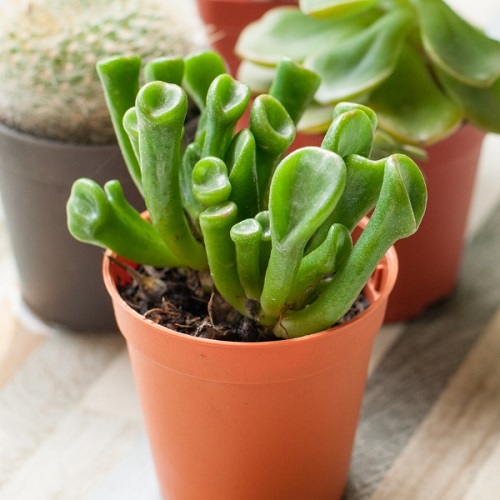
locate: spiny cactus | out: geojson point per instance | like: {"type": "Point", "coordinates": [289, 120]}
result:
{"type": "Point", "coordinates": [48, 50]}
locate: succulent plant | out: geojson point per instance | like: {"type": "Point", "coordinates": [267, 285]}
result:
{"type": "Point", "coordinates": [273, 231]}
{"type": "Point", "coordinates": [48, 50]}
{"type": "Point", "coordinates": [420, 66]}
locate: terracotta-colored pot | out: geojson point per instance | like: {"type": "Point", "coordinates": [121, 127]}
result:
{"type": "Point", "coordinates": [429, 261]}
{"type": "Point", "coordinates": [226, 18]}
{"type": "Point", "coordinates": [241, 421]}
{"type": "Point", "coordinates": [59, 277]}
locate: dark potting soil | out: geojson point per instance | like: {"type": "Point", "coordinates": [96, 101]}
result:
{"type": "Point", "coordinates": [184, 301]}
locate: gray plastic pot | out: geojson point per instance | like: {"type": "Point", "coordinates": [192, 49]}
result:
{"type": "Point", "coordinates": [60, 278]}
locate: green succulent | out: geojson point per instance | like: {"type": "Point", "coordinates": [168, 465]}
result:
{"type": "Point", "coordinates": [420, 66]}
{"type": "Point", "coordinates": [48, 50]}
{"type": "Point", "coordinates": [273, 230]}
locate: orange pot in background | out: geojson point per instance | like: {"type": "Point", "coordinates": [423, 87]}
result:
{"type": "Point", "coordinates": [260, 420]}
{"type": "Point", "coordinates": [429, 261]}
{"type": "Point", "coordinates": [226, 18]}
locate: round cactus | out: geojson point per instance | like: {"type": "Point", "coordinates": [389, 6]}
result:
{"type": "Point", "coordinates": [49, 86]}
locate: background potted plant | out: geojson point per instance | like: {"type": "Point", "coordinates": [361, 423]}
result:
{"type": "Point", "coordinates": [225, 19]}
{"type": "Point", "coordinates": [433, 80]}
{"type": "Point", "coordinates": [55, 128]}
{"type": "Point", "coordinates": [268, 237]}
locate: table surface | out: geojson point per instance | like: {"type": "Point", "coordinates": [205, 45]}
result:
{"type": "Point", "coordinates": [70, 422]}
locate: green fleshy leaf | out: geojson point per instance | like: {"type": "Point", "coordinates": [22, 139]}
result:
{"type": "Point", "coordinates": [241, 162]}
{"type": "Point", "coordinates": [353, 67]}
{"type": "Point", "coordinates": [287, 32]}
{"type": "Point", "coordinates": [480, 104]}
{"type": "Point", "coordinates": [304, 190]}
{"type": "Point", "coordinates": [211, 184]}
{"type": "Point", "coordinates": [247, 236]}
{"type": "Point", "coordinates": [259, 78]}
{"type": "Point", "coordinates": [456, 46]}
{"type": "Point", "coordinates": [398, 214]}
{"type": "Point", "coordinates": [105, 218]}
{"type": "Point", "coordinates": [294, 86]}
{"type": "Point", "coordinates": [227, 100]}
{"type": "Point", "coordinates": [216, 223]}
{"type": "Point", "coordinates": [350, 133]}
{"type": "Point", "coordinates": [325, 8]}
{"type": "Point", "coordinates": [200, 70]}
{"type": "Point", "coordinates": [411, 107]}
{"type": "Point", "coordinates": [161, 111]}
{"type": "Point", "coordinates": [165, 69]}
{"type": "Point", "coordinates": [322, 261]}
{"type": "Point", "coordinates": [120, 81]}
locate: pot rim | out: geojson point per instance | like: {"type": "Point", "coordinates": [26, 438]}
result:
{"type": "Point", "coordinates": [377, 289]}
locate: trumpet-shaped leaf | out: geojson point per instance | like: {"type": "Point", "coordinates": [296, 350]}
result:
{"type": "Point", "coordinates": [351, 68]}
{"type": "Point", "coordinates": [216, 223]}
{"type": "Point", "coordinates": [161, 110]}
{"type": "Point", "coordinates": [200, 70]}
{"type": "Point", "coordinates": [247, 236]}
{"type": "Point", "coordinates": [165, 69]}
{"type": "Point", "coordinates": [398, 214]}
{"type": "Point", "coordinates": [131, 127]}
{"type": "Point", "coordinates": [294, 86]}
{"type": "Point", "coordinates": [300, 201]}
{"type": "Point", "coordinates": [457, 47]}
{"type": "Point", "coordinates": [350, 133]}
{"type": "Point", "coordinates": [211, 184]}
{"type": "Point", "coordinates": [105, 218]}
{"type": "Point", "coordinates": [363, 182]}
{"type": "Point", "coordinates": [274, 132]}
{"type": "Point", "coordinates": [120, 81]}
{"type": "Point", "coordinates": [324, 260]}
{"type": "Point", "coordinates": [241, 162]}
{"type": "Point", "coordinates": [227, 100]}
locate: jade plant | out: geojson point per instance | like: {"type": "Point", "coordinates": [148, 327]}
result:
{"type": "Point", "coordinates": [271, 230]}
{"type": "Point", "coordinates": [417, 63]}
{"type": "Point", "coordinates": [52, 46]}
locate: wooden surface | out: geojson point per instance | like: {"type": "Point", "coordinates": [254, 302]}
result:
{"type": "Point", "coordinates": [71, 428]}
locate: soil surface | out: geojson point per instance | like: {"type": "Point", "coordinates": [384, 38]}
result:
{"type": "Point", "coordinates": [184, 301]}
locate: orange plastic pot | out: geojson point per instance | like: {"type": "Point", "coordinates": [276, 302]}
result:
{"type": "Point", "coordinates": [226, 19]}
{"type": "Point", "coordinates": [429, 261]}
{"type": "Point", "coordinates": [270, 420]}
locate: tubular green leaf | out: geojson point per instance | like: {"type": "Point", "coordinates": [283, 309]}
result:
{"type": "Point", "coordinates": [200, 70]}
{"type": "Point", "coordinates": [294, 86]}
{"type": "Point", "coordinates": [216, 223]}
{"type": "Point", "coordinates": [241, 163]}
{"type": "Point", "coordinates": [398, 214]}
{"type": "Point", "coordinates": [227, 100]}
{"type": "Point", "coordinates": [165, 69]}
{"type": "Point", "coordinates": [274, 132]}
{"type": "Point", "coordinates": [211, 184]}
{"type": "Point", "coordinates": [161, 110]}
{"type": "Point", "coordinates": [247, 236]}
{"type": "Point", "coordinates": [350, 133]}
{"type": "Point", "coordinates": [120, 81]}
{"type": "Point", "coordinates": [104, 218]}
{"type": "Point", "coordinates": [132, 129]}
{"type": "Point", "coordinates": [305, 189]}
{"type": "Point", "coordinates": [323, 261]}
